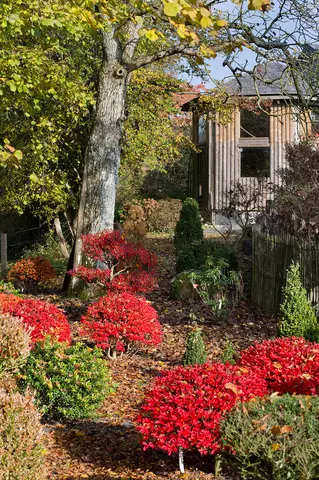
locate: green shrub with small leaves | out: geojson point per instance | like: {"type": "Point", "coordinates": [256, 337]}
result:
{"type": "Point", "coordinates": [70, 383]}
{"type": "Point", "coordinates": [21, 448]}
{"type": "Point", "coordinates": [195, 352]}
{"type": "Point", "coordinates": [15, 344]}
{"type": "Point", "coordinates": [298, 317]}
{"type": "Point", "coordinates": [274, 438]}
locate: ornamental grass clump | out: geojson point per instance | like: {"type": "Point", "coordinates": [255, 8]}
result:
{"type": "Point", "coordinates": [274, 438]}
{"type": "Point", "coordinates": [195, 352]}
{"type": "Point", "coordinates": [119, 323]}
{"type": "Point", "coordinates": [289, 365]}
{"type": "Point", "coordinates": [298, 317]}
{"type": "Point", "coordinates": [42, 318]}
{"type": "Point", "coordinates": [184, 407]}
{"type": "Point", "coordinates": [70, 383]}
{"type": "Point", "coordinates": [21, 447]}
{"type": "Point", "coordinates": [15, 344]}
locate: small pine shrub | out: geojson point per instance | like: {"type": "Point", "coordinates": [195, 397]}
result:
{"type": "Point", "coordinates": [298, 317]}
{"type": "Point", "coordinates": [274, 438]}
{"type": "Point", "coordinates": [184, 407]}
{"type": "Point", "coordinates": [195, 353]}
{"type": "Point", "coordinates": [70, 383]}
{"type": "Point", "coordinates": [229, 353]}
{"type": "Point", "coordinates": [120, 322]}
{"type": "Point", "coordinates": [189, 227]}
{"type": "Point", "coordinates": [21, 447]}
{"type": "Point", "coordinates": [289, 364]}
{"type": "Point", "coordinates": [44, 319]}
{"type": "Point", "coordinates": [188, 237]}
{"type": "Point", "coordinates": [15, 344]}
{"type": "Point", "coordinates": [27, 273]}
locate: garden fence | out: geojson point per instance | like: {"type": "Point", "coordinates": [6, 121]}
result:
{"type": "Point", "coordinates": [271, 257]}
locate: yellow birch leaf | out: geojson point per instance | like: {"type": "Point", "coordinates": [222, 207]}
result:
{"type": "Point", "coordinates": [205, 22]}
{"type": "Point", "coordinates": [171, 9]}
{"type": "Point", "coordinates": [204, 12]}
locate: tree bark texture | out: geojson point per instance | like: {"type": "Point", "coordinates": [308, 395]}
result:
{"type": "Point", "coordinates": [102, 158]}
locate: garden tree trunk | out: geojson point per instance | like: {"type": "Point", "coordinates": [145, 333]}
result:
{"type": "Point", "coordinates": [59, 232]}
{"type": "Point", "coordinates": [102, 158]}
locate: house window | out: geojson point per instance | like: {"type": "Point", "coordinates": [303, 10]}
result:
{"type": "Point", "coordinates": [201, 130]}
{"type": "Point", "coordinates": [255, 162]}
{"type": "Point", "coordinates": [254, 125]}
{"type": "Point", "coordinates": [201, 172]}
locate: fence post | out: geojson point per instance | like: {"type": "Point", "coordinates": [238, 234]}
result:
{"type": "Point", "coordinates": [4, 257]}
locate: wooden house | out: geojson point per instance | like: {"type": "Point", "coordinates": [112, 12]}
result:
{"type": "Point", "coordinates": [250, 146]}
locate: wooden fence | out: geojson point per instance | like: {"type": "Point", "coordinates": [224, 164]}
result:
{"type": "Point", "coordinates": [271, 257]}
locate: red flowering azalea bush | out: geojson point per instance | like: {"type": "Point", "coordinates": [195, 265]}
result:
{"type": "Point", "coordinates": [289, 365]}
{"type": "Point", "coordinates": [44, 319]}
{"type": "Point", "coordinates": [118, 322]}
{"type": "Point", "coordinates": [27, 273]}
{"type": "Point", "coordinates": [186, 404]}
{"type": "Point", "coordinates": [121, 265]}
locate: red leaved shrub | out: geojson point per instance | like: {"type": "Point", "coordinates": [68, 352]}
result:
{"type": "Point", "coordinates": [289, 365]}
{"type": "Point", "coordinates": [118, 321]}
{"type": "Point", "coordinates": [126, 266]}
{"type": "Point", "coordinates": [185, 405]}
{"type": "Point", "coordinates": [44, 319]}
{"type": "Point", "coordinates": [27, 273]}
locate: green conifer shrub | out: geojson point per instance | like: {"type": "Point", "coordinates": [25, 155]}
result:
{"type": "Point", "coordinates": [274, 438]}
{"type": "Point", "coordinates": [228, 353]}
{"type": "Point", "coordinates": [195, 353]}
{"type": "Point", "coordinates": [298, 317]}
{"type": "Point", "coordinates": [188, 236]}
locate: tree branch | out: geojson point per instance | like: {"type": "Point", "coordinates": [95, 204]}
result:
{"type": "Point", "coordinates": [147, 60]}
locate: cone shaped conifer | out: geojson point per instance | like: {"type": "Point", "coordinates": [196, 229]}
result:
{"type": "Point", "coordinates": [298, 317]}
{"type": "Point", "coordinates": [195, 353]}
{"type": "Point", "coordinates": [188, 236]}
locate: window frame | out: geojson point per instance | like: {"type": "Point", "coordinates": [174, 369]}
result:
{"type": "Point", "coordinates": [253, 142]}
{"type": "Point", "coordinates": [241, 151]}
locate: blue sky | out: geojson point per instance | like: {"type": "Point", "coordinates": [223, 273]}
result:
{"type": "Point", "coordinates": [217, 71]}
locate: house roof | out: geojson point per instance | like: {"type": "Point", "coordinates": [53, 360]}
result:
{"type": "Point", "coordinates": [272, 79]}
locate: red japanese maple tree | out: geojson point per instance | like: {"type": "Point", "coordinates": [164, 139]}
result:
{"type": "Point", "coordinates": [119, 265]}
